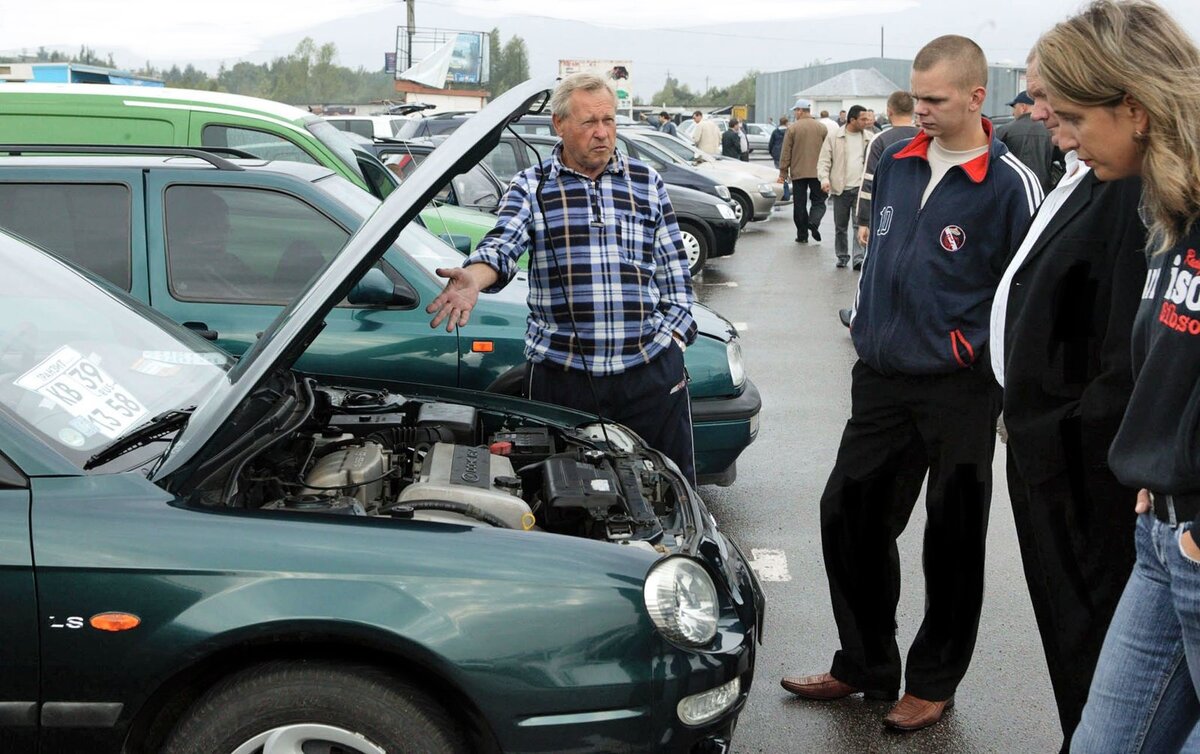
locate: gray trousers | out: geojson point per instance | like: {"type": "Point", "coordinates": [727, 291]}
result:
{"type": "Point", "coordinates": [843, 217]}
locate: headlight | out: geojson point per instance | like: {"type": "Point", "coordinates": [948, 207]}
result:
{"type": "Point", "coordinates": [725, 211]}
{"type": "Point", "coordinates": [723, 192]}
{"type": "Point", "coordinates": [737, 370]}
{"type": "Point", "coordinates": [682, 601]}
{"type": "Point", "coordinates": [766, 189]}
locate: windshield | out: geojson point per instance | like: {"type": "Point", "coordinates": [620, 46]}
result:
{"type": "Point", "coordinates": [660, 154]}
{"type": "Point", "coordinates": [676, 147]}
{"type": "Point", "coordinates": [429, 251]}
{"type": "Point", "coordinates": [82, 364]}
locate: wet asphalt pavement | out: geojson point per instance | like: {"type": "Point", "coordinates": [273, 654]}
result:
{"type": "Point", "coordinates": [784, 298]}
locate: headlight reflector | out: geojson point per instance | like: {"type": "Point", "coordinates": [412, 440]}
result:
{"type": "Point", "coordinates": [682, 601]}
{"type": "Point", "coordinates": [725, 211]}
{"type": "Point", "coordinates": [723, 192]}
{"type": "Point", "coordinates": [701, 708]}
{"type": "Point", "coordinates": [766, 189]}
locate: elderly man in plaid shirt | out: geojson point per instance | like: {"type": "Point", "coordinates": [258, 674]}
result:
{"type": "Point", "coordinates": [609, 293]}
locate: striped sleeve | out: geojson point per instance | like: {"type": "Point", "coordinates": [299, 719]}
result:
{"type": "Point", "coordinates": [504, 244]}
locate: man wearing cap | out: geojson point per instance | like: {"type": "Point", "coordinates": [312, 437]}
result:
{"type": "Point", "coordinates": [1030, 142]}
{"type": "Point", "coordinates": [801, 148]}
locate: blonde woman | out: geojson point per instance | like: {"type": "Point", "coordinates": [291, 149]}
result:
{"type": "Point", "coordinates": [1124, 80]}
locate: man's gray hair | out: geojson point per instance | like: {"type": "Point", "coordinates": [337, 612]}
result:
{"type": "Point", "coordinates": [560, 101]}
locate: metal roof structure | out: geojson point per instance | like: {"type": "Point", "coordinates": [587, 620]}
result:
{"type": "Point", "coordinates": [856, 82]}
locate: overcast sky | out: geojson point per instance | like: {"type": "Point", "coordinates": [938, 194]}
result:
{"type": "Point", "coordinates": [693, 40]}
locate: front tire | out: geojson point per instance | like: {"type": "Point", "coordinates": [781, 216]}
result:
{"type": "Point", "coordinates": [744, 209]}
{"type": "Point", "coordinates": [286, 707]}
{"type": "Point", "coordinates": [695, 243]}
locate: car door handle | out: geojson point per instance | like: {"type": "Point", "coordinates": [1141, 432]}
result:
{"type": "Point", "coordinates": [201, 329]}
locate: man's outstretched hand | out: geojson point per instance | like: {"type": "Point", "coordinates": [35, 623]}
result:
{"type": "Point", "coordinates": [457, 299]}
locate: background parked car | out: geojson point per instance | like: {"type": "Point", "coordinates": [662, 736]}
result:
{"type": "Point", "coordinates": [148, 116]}
{"type": "Point", "coordinates": [753, 196]}
{"type": "Point", "coordinates": [202, 556]}
{"type": "Point", "coordinates": [370, 126]}
{"type": "Point", "coordinates": [708, 225]}
{"type": "Point", "coordinates": [222, 246]}
{"type": "Point", "coordinates": [758, 134]}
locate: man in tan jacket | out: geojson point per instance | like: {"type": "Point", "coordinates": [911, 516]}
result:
{"type": "Point", "coordinates": [801, 148]}
{"type": "Point", "coordinates": [840, 170]}
{"type": "Point", "coordinates": [706, 135]}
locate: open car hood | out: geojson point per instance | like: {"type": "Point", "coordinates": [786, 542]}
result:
{"type": "Point", "coordinates": [298, 325]}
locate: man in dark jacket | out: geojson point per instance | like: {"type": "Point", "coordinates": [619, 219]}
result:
{"type": "Point", "coordinates": [731, 140]}
{"type": "Point", "coordinates": [1029, 141]}
{"type": "Point", "coordinates": [949, 207]}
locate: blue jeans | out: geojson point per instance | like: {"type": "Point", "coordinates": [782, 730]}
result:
{"type": "Point", "coordinates": [1144, 693]}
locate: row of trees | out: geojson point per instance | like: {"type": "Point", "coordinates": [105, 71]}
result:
{"type": "Point", "coordinates": [309, 75]}
{"type": "Point", "coordinates": [674, 94]}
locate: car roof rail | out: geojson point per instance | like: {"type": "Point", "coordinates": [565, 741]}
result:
{"type": "Point", "coordinates": [208, 154]}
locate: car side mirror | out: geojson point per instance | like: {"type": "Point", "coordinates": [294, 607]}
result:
{"type": "Point", "coordinates": [374, 289]}
{"type": "Point", "coordinates": [458, 241]}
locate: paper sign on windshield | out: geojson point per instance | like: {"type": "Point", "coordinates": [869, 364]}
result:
{"type": "Point", "coordinates": [81, 388]}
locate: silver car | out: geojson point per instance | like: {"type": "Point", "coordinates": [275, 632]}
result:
{"type": "Point", "coordinates": [752, 186]}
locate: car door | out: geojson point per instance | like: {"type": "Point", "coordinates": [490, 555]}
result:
{"type": "Point", "coordinates": [93, 218]}
{"type": "Point", "coordinates": [226, 256]}
{"type": "Point", "coordinates": [20, 650]}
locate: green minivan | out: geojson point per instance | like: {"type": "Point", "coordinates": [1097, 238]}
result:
{"type": "Point", "coordinates": [138, 116]}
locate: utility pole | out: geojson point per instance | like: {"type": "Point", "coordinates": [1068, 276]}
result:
{"type": "Point", "coordinates": [412, 20]}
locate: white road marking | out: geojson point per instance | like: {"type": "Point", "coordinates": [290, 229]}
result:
{"type": "Point", "coordinates": [730, 284]}
{"type": "Point", "coordinates": [770, 565]}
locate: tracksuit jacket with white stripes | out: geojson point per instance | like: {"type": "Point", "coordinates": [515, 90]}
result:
{"type": "Point", "coordinates": [925, 295]}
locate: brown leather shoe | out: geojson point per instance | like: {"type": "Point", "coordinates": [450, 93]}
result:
{"type": "Point", "coordinates": [914, 713]}
{"type": "Point", "coordinates": [825, 687]}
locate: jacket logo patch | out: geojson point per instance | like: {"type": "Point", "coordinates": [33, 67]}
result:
{"type": "Point", "coordinates": [952, 238]}
{"type": "Point", "coordinates": [885, 221]}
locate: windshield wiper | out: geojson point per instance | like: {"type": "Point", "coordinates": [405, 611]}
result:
{"type": "Point", "coordinates": [152, 431]}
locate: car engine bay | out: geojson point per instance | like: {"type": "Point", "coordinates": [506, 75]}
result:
{"type": "Point", "coordinates": [371, 452]}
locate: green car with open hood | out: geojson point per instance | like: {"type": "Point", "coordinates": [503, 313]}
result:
{"type": "Point", "coordinates": [203, 554]}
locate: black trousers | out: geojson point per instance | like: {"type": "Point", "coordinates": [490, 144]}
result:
{"type": "Point", "coordinates": [808, 205]}
{"type": "Point", "coordinates": [901, 427]}
{"type": "Point", "coordinates": [1075, 532]}
{"type": "Point", "coordinates": [652, 400]}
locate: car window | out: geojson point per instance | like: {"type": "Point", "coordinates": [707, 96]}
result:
{"type": "Point", "coordinates": [244, 245]}
{"type": "Point", "coordinates": [376, 174]}
{"type": "Point", "coordinates": [402, 164]}
{"type": "Point", "coordinates": [475, 189]}
{"type": "Point", "coordinates": [261, 144]}
{"type": "Point", "coordinates": [360, 127]}
{"type": "Point", "coordinates": [503, 160]}
{"type": "Point", "coordinates": [543, 149]}
{"type": "Point", "coordinates": [680, 150]}
{"type": "Point", "coordinates": [87, 223]}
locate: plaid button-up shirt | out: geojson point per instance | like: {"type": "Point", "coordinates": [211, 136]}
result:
{"type": "Point", "coordinates": [621, 268]}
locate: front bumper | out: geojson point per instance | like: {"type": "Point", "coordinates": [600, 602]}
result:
{"type": "Point", "coordinates": [721, 429]}
{"type": "Point", "coordinates": [764, 204]}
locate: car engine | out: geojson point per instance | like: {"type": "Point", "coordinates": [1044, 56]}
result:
{"type": "Point", "coordinates": [375, 453]}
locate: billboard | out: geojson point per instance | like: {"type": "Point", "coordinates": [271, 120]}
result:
{"type": "Point", "coordinates": [615, 71]}
{"type": "Point", "coordinates": [466, 63]}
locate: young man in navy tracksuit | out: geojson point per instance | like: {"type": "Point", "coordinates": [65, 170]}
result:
{"type": "Point", "coordinates": [949, 207]}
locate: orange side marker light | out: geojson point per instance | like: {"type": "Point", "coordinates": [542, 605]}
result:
{"type": "Point", "coordinates": [115, 621]}
{"type": "Point", "coordinates": [482, 346]}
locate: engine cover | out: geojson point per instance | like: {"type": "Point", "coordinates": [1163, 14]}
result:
{"type": "Point", "coordinates": [359, 469]}
{"type": "Point", "coordinates": [465, 474]}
